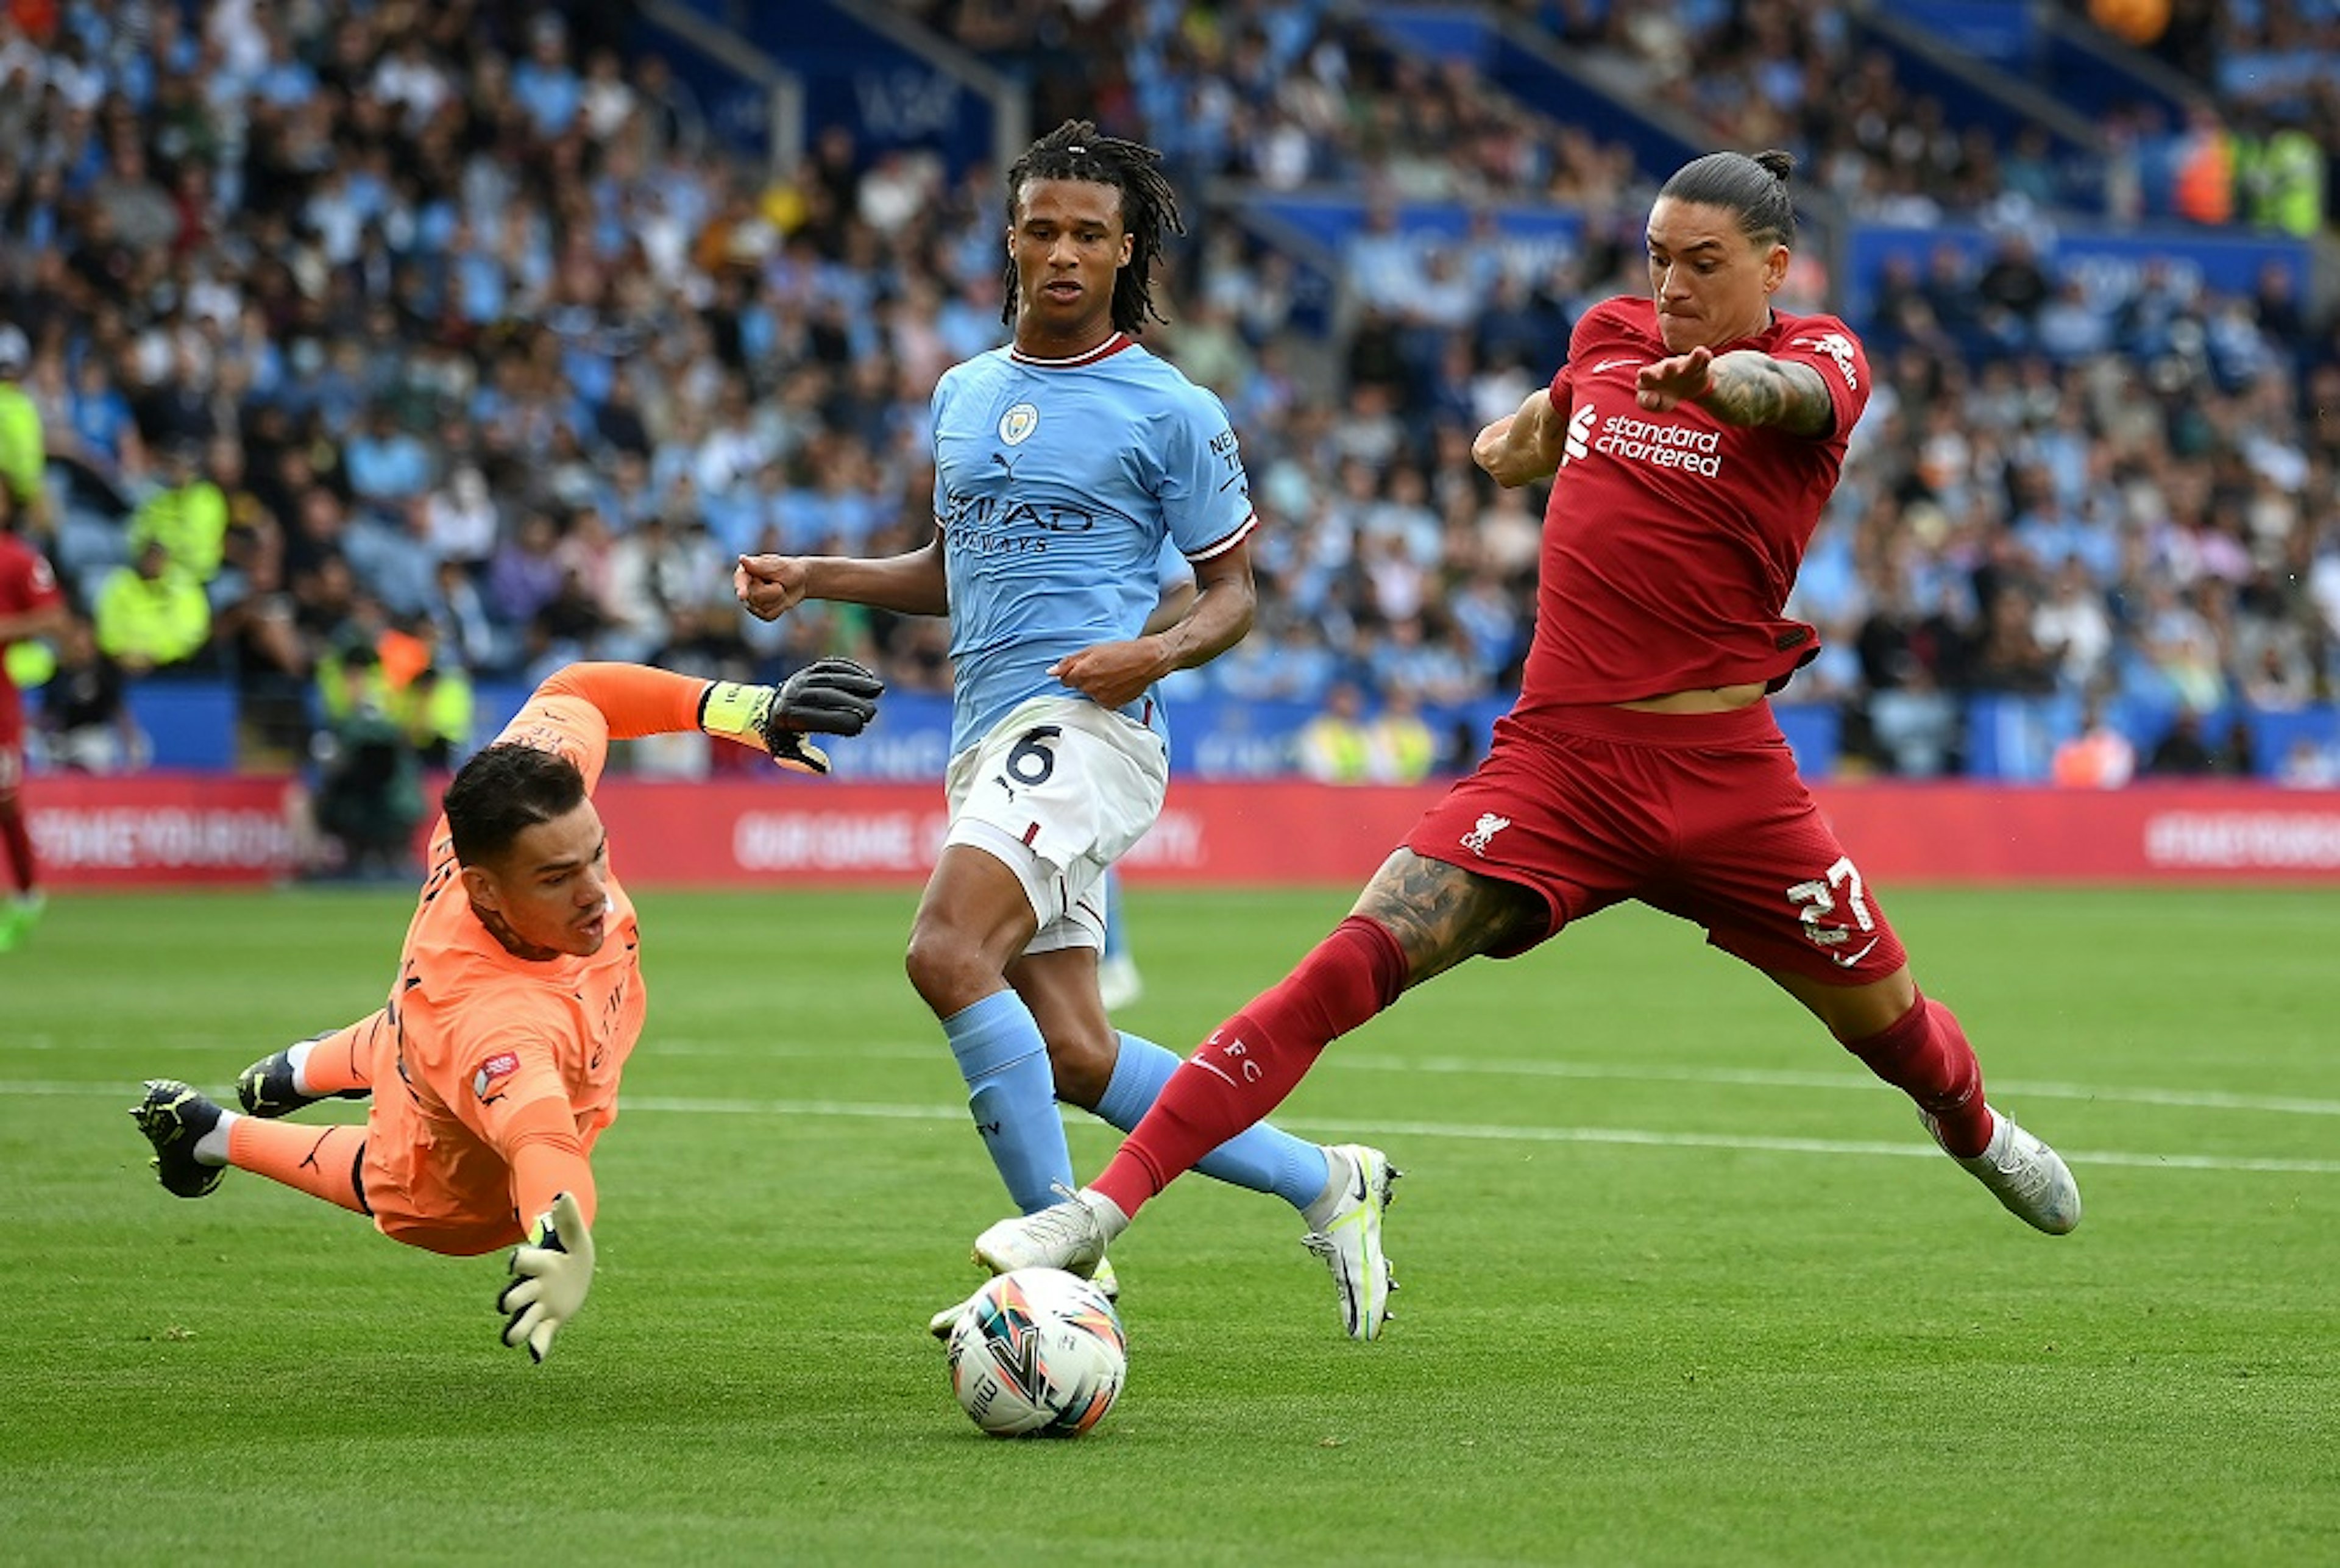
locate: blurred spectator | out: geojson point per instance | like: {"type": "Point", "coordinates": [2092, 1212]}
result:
{"type": "Point", "coordinates": [187, 516]}
{"type": "Point", "coordinates": [459, 519]}
{"type": "Point", "coordinates": [150, 615]}
{"type": "Point", "coordinates": [1335, 747]}
{"type": "Point", "coordinates": [86, 725]}
{"type": "Point", "coordinates": [2073, 628]}
{"type": "Point", "coordinates": [1399, 748]}
{"type": "Point", "coordinates": [367, 799]}
{"type": "Point", "coordinates": [2181, 752]}
{"type": "Point", "coordinates": [2237, 755]}
{"type": "Point", "coordinates": [2098, 756]}
{"type": "Point", "coordinates": [2308, 765]}
{"type": "Point", "coordinates": [23, 448]}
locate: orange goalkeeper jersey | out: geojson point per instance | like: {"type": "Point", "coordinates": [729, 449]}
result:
{"type": "Point", "coordinates": [483, 1044]}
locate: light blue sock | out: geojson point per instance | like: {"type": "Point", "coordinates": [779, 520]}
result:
{"type": "Point", "coordinates": [1261, 1158]}
{"type": "Point", "coordinates": [1013, 1094]}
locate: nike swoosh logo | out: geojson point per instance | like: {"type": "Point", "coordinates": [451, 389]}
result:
{"type": "Point", "coordinates": [1847, 960]}
{"type": "Point", "coordinates": [1361, 1194]}
{"type": "Point", "coordinates": [1212, 1068]}
{"type": "Point", "coordinates": [1610, 364]}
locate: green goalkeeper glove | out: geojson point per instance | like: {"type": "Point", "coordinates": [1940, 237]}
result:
{"type": "Point", "coordinates": [551, 1272]}
{"type": "Point", "coordinates": [828, 697]}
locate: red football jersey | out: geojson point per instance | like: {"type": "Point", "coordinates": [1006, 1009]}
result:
{"type": "Point", "coordinates": [1671, 539]}
{"type": "Point", "coordinates": [26, 583]}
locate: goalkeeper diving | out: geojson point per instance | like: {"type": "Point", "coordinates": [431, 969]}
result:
{"type": "Point", "coordinates": [518, 999]}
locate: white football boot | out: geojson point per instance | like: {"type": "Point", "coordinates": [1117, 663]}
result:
{"type": "Point", "coordinates": [2026, 1175]}
{"type": "Point", "coordinates": [1070, 1235]}
{"type": "Point", "coordinates": [1100, 1273]}
{"type": "Point", "coordinates": [1344, 1229]}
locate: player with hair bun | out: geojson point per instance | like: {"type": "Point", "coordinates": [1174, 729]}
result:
{"type": "Point", "coordinates": [1693, 437]}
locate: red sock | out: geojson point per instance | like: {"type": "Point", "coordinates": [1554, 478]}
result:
{"type": "Point", "coordinates": [320, 1161]}
{"type": "Point", "coordinates": [18, 838]}
{"type": "Point", "coordinates": [1925, 1055]}
{"type": "Point", "coordinates": [1258, 1057]}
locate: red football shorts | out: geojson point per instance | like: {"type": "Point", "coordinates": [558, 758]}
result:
{"type": "Point", "coordinates": [1702, 816]}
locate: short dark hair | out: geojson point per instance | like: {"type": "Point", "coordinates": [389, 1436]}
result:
{"type": "Point", "coordinates": [502, 792]}
{"type": "Point", "coordinates": [1754, 187]}
{"type": "Point", "coordinates": [1076, 150]}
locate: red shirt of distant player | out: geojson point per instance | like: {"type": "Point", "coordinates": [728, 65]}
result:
{"type": "Point", "coordinates": [1671, 539]}
{"type": "Point", "coordinates": [26, 583]}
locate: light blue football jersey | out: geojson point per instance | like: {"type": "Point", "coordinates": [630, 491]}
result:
{"type": "Point", "coordinates": [1057, 483]}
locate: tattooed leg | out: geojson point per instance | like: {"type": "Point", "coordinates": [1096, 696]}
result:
{"type": "Point", "coordinates": [1442, 914]}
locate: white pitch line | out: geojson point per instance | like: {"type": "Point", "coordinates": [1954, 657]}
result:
{"type": "Point", "coordinates": [1762, 1078]}
{"type": "Point", "coordinates": [1615, 1072]}
{"type": "Point", "coordinates": [1470, 1131]}
{"type": "Point", "coordinates": [1487, 1133]}
{"type": "Point", "coordinates": [1472, 1067]}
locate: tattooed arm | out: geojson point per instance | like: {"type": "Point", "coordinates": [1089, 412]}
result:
{"type": "Point", "coordinates": [1744, 387]}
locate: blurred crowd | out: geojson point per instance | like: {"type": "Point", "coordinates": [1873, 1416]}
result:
{"type": "Point", "coordinates": [381, 351]}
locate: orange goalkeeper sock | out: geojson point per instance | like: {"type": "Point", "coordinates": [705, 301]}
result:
{"type": "Point", "coordinates": [338, 1063]}
{"type": "Point", "coordinates": [320, 1161]}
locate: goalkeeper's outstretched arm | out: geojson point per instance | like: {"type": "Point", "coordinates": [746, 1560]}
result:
{"type": "Point", "coordinates": [828, 697]}
{"type": "Point", "coordinates": [552, 1190]}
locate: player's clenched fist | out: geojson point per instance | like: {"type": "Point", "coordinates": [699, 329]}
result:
{"type": "Point", "coordinates": [770, 585]}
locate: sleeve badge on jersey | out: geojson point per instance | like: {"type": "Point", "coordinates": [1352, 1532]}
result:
{"type": "Point", "coordinates": [495, 1075]}
{"type": "Point", "coordinates": [1838, 347]}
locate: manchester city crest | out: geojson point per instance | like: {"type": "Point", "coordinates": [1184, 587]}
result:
{"type": "Point", "coordinates": [1016, 425]}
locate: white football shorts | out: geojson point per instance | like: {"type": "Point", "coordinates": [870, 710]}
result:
{"type": "Point", "coordinates": [1057, 792]}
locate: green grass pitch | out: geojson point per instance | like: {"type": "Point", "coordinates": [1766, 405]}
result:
{"type": "Point", "coordinates": [1680, 1283]}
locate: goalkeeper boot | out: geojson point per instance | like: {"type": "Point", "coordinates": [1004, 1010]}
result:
{"type": "Point", "coordinates": [2024, 1173]}
{"type": "Point", "coordinates": [175, 1118]}
{"type": "Point", "coordinates": [269, 1087]}
{"type": "Point", "coordinates": [1344, 1229]}
{"type": "Point", "coordinates": [1070, 1235]}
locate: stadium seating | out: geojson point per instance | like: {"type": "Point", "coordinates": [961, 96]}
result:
{"type": "Point", "coordinates": [501, 340]}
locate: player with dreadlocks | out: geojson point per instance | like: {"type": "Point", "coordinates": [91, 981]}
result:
{"type": "Point", "coordinates": [1062, 463]}
{"type": "Point", "coordinates": [1077, 151]}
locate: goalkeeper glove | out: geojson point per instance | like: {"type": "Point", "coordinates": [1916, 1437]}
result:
{"type": "Point", "coordinates": [829, 696]}
{"type": "Point", "coordinates": [552, 1270]}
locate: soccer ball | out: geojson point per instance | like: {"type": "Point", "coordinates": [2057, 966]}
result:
{"type": "Point", "coordinates": [1038, 1353]}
